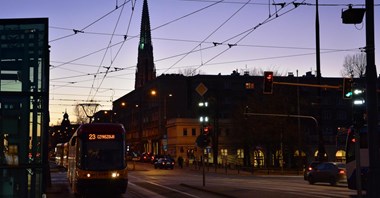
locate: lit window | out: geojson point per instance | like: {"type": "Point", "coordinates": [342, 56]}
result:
{"type": "Point", "coordinates": [249, 85]}
{"type": "Point", "coordinates": [240, 153]}
{"type": "Point", "coordinates": [223, 152]}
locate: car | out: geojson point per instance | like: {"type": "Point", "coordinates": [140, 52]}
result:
{"type": "Point", "coordinates": [164, 163]}
{"type": "Point", "coordinates": [309, 168]}
{"type": "Point", "coordinates": [154, 158]}
{"type": "Point", "coordinates": [330, 172]}
{"type": "Point", "coordinates": [146, 157]}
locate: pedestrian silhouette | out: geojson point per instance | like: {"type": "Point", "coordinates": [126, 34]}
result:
{"type": "Point", "coordinates": [180, 161]}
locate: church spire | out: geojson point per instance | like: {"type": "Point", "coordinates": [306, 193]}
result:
{"type": "Point", "coordinates": [145, 65]}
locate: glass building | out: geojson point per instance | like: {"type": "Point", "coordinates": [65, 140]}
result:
{"type": "Point", "coordinates": [24, 102]}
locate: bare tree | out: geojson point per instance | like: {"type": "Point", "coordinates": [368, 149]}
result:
{"type": "Point", "coordinates": [80, 115]}
{"type": "Point", "coordinates": [354, 65]}
{"type": "Point", "coordinates": [189, 72]}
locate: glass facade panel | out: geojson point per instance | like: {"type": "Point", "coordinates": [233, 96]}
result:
{"type": "Point", "coordinates": [24, 87]}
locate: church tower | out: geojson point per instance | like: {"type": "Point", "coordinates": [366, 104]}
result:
{"type": "Point", "coordinates": [145, 66]}
{"type": "Point", "coordinates": [65, 132]}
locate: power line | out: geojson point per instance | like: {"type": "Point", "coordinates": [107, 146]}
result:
{"type": "Point", "coordinates": [248, 32]}
{"type": "Point", "coordinates": [82, 30]}
{"type": "Point", "coordinates": [104, 55]}
{"type": "Point", "coordinates": [247, 60]}
{"type": "Point", "coordinates": [220, 26]}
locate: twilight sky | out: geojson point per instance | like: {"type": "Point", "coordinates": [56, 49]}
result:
{"type": "Point", "coordinates": [207, 35]}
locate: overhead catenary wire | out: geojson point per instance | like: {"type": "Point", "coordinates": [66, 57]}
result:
{"type": "Point", "coordinates": [249, 31]}
{"type": "Point", "coordinates": [323, 51]}
{"type": "Point", "coordinates": [220, 26]}
{"type": "Point", "coordinates": [104, 55]}
{"type": "Point", "coordinates": [89, 25]}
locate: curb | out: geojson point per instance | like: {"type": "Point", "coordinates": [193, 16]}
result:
{"type": "Point", "coordinates": [206, 190]}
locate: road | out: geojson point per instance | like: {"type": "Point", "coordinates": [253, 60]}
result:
{"type": "Point", "coordinates": [145, 181]}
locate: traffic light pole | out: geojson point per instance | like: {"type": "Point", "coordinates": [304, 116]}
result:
{"type": "Point", "coordinates": [285, 115]}
{"type": "Point", "coordinates": [372, 108]}
{"type": "Point", "coordinates": [309, 85]}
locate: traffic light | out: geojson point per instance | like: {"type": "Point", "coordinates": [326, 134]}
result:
{"type": "Point", "coordinates": [268, 82]}
{"type": "Point", "coordinates": [206, 130]}
{"type": "Point", "coordinates": [358, 106]}
{"type": "Point", "coordinates": [347, 88]}
{"type": "Point", "coordinates": [203, 112]}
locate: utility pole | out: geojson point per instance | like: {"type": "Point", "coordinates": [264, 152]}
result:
{"type": "Point", "coordinates": [371, 82]}
{"type": "Point", "coordinates": [321, 147]}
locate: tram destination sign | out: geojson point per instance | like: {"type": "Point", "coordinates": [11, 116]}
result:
{"type": "Point", "coordinates": [93, 136]}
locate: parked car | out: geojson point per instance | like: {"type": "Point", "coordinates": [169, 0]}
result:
{"type": "Point", "coordinates": [146, 157]}
{"type": "Point", "coordinates": [154, 158]}
{"type": "Point", "coordinates": [309, 168]}
{"type": "Point", "coordinates": [164, 163]}
{"type": "Point", "coordinates": [330, 172]}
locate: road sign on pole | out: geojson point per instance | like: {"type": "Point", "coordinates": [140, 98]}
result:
{"type": "Point", "coordinates": [201, 89]}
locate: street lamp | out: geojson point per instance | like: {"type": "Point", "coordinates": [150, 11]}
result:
{"type": "Point", "coordinates": [162, 119]}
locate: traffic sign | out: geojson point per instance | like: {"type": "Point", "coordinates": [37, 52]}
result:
{"type": "Point", "coordinates": [201, 89]}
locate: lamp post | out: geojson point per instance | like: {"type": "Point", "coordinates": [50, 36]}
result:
{"type": "Point", "coordinates": [165, 134]}
{"type": "Point", "coordinates": [162, 119]}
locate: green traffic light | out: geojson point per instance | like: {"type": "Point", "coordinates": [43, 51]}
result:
{"type": "Point", "coordinates": [349, 94]}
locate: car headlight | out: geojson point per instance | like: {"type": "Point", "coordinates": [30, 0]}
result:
{"type": "Point", "coordinates": [115, 174]}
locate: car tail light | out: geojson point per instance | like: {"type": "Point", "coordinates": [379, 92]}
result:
{"type": "Point", "coordinates": [310, 168]}
{"type": "Point", "coordinates": [341, 172]}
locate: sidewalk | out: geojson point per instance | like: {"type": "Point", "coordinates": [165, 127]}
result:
{"type": "Point", "coordinates": [57, 189]}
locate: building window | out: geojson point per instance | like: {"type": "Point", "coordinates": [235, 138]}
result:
{"type": "Point", "coordinates": [340, 156]}
{"type": "Point", "coordinates": [258, 158]}
{"type": "Point", "coordinates": [240, 153]}
{"type": "Point", "coordinates": [193, 132]}
{"type": "Point", "coordinates": [249, 85]}
{"type": "Point", "coordinates": [184, 131]}
{"type": "Point", "coordinates": [223, 152]}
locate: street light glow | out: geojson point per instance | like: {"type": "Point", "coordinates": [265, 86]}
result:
{"type": "Point", "coordinates": [153, 92]}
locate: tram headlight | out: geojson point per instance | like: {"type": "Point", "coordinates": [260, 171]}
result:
{"type": "Point", "coordinates": [115, 174]}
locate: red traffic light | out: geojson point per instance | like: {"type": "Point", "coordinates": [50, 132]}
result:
{"type": "Point", "coordinates": [206, 130]}
{"type": "Point", "coordinates": [268, 82]}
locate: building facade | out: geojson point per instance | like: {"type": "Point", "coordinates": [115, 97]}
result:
{"type": "Point", "coordinates": [247, 126]}
{"type": "Point", "coordinates": [167, 121]}
{"type": "Point", "coordinates": [24, 107]}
